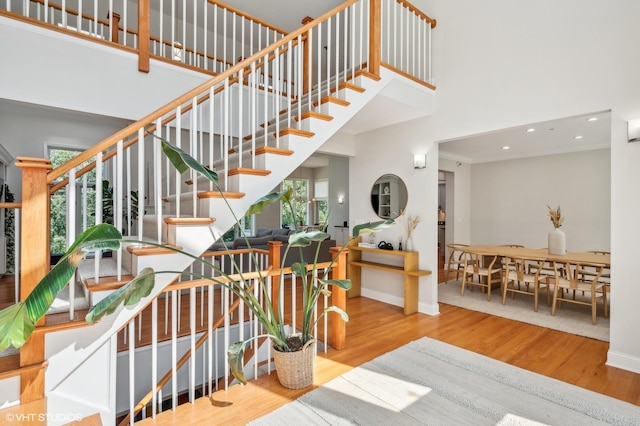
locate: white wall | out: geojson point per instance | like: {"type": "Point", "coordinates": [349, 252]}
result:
{"type": "Point", "coordinates": [67, 72]}
{"type": "Point", "coordinates": [509, 200]}
{"type": "Point", "coordinates": [499, 64]}
{"type": "Point", "coordinates": [25, 129]}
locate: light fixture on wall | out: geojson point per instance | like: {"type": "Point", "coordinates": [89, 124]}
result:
{"type": "Point", "coordinates": [340, 199]}
{"type": "Point", "coordinates": [419, 161]}
{"type": "Point", "coordinates": [633, 130]}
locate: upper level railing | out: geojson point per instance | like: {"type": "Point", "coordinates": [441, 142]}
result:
{"type": "Point", "coordinates": [205, 34]}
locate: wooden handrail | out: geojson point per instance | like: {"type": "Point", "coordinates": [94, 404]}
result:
{"type": "Point", "coordinates": [246, 15]}
{"type": "Point", "coordinates": [418, 12]}
{"type": "Point", "coordinates": [150, 118]}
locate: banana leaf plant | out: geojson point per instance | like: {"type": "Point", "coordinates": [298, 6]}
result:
{"type": "Point", "coordinates": [18, 321]}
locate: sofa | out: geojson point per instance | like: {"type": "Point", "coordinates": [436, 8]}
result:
{"type": "Point", "coordinates": [261, 241]}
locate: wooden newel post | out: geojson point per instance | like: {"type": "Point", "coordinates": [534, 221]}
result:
{"type": "Point", "coordinates": [338, 336]}
{"type": "Point", "coordinates": [274, 263]}
{"type": "Point", "coordinates": [374, 36]}
{"type": "Point", "coordinates": [35, 261]}
{"type": "Point", "coordinates": [144, 37]}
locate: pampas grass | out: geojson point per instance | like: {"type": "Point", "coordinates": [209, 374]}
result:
{"type": "Point", "coordinates": [556, 217]}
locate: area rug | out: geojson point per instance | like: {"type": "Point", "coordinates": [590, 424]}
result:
{"type": "Point", "coordinates": [570, 318]}
{"type": "Point", "coordinates": [431, 382]}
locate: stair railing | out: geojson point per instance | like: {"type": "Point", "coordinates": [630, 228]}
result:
{"type": "Point", "coordinates": [215, 319]}
{"type": "Point", "coordinates": [226, 123]}
{"type": "Point", "coordinates": [215, 126]}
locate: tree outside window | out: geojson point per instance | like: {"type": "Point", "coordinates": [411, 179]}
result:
{"type": "Point", "coordinates": [300, 203]}
{"type": "Point", "coordinates": [58, 205]}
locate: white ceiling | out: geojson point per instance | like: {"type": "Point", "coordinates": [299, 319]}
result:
{"type": "Point", "coordinates": [550, 137]}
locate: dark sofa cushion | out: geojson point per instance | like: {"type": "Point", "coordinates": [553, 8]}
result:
{"type": "Point", "coordinates": [281, 231]}
{"type": "Point", "coordinates": [281, 238]}
{"type": "Point", "coordinates": [263, 232]}
{"type": "Point", "coordinates": [253, 241]}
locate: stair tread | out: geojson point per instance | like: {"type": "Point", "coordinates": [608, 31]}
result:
{"type": "Point", "coordinates": [107, 283]}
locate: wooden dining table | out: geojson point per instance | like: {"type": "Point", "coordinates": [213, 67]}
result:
{"type": "Point", "coordinates": [538, 253]}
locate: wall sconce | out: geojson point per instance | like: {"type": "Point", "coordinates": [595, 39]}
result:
{"type": "Point", "coordinates": [340, 199]}
{"type": "Point", "coordinates": [633, 130]}
{"type": "Point", "coordinates": [419, 161]}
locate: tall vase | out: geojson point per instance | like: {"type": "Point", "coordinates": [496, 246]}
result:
{"type": "Point", "coordinates": [557, 242]}
{"type": "Point", "coordinates": [409, 244]}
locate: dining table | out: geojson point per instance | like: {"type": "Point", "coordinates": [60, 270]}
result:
{"type": "Point", "coordinates": [581, 257]}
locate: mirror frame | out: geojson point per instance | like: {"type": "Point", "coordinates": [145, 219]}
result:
{"type": "Point", "coordinates": [389, 196]}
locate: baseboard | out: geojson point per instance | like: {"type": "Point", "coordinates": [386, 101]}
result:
{"type": "Point", "coordinates": [425, 308]}
{"type": "Point", "coordinates": [382, 297]}
{"type": "Point", "coordinates": [429, 308]}
{"type": "Point", "coordinates": [623, 361]}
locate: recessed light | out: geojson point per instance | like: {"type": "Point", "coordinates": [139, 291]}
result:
{"type": "Point", "coordinates": [577, 137]}
{"type": "Point", "coordinates": [592, 119]}
{"type": "Point", "coordinates": [530, 130]}
{"type": "Point", "coordinates": [506, 147]}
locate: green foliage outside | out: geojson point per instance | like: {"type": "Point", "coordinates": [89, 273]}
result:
{"type": "Point", "coordinates": [58, 205]}
{"type": "Point", "coordinates": [9, 228]}
{"type": "Point", "coordinates": [298, 213]}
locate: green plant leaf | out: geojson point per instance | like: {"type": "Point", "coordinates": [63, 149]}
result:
{"type": "Point", "coordinates": [343, 284]}
{"type": "Point", "coordinates": [305, 238]}
{"type": "Point", "coordinates": [343, 314]}
{"type": "Point", "coordinates": [370, 227]}
{"type": "Point", "coordinates": [15, 326]}
{"type": "Point", "coordinates": [129, 294]}
{"type": "Point", "coordinates": [299, 269]}
{"type": "Point", "coordinates": [263, 202]}
{"type": "Point", "coordinates": [235, 356]}
{"type": "Point", "coordinates": [99, 237]}
{"type": "Point", "coordinates": [182, 161]}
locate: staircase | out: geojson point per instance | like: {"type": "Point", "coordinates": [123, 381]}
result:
{"type": "Point", "coordinates": [253, 124]}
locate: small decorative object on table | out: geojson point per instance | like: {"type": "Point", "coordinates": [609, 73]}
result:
{"type": "Point", "coordinates": [412, 223]}
{"type": "Point", "coordinates": [556, 239]}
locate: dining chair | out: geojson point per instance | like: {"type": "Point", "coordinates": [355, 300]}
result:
{"type": "Point", "coordinates": [575, 280]}
{"type": "Point", "coordinates": [474, 265]}
{"type": "Point", "coordinates": [606, 271]}
{"type": "Point", "coordinates": [516, 271]}
{"type": "Point", "coordinates": [455, 261]}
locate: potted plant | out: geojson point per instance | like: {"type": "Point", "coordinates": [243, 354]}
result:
{"type": "Point", "coordinates": [18, 321]}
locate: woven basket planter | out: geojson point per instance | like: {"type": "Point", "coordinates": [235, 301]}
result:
{"type": "Point", "coordinates": [296, 369]}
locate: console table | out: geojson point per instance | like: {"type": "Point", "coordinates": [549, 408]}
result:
{"type": "Point", "coordinates": [409, 270]}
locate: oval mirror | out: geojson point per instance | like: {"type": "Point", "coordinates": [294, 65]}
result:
{"type": "Point", "coordinates": [388, 196]}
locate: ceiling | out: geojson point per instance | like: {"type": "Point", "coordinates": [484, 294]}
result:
{"type": "Point", "coordinates": [547, 138]}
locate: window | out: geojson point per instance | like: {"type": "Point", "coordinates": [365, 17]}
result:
{"type": "Point", "coordinates": [58, 208]}
{"type": "Point", "coordinates": [321, 190]}
{"type": "Point", "coordinates": [300, 203]}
